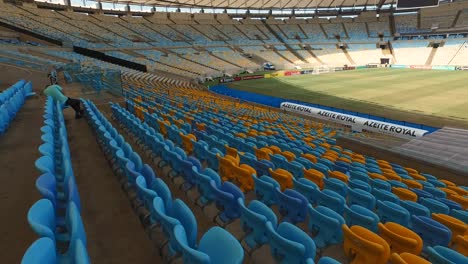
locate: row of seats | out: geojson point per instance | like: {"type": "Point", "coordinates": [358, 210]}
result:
{"type": "Point", "coordinates": [282, 238]}
{"type": "Point", "coordinates": [56, 217]}
{"type": "Point", "coordinates": [174, 217]}
{"type": "Point", "coordinates": [11, 101]}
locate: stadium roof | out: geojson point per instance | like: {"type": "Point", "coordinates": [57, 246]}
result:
{"type": "Point", "coordinates": [258, 4]}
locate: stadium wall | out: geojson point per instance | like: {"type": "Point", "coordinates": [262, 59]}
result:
{"type": "Point", "coordinates": [102, 56]}
{"type": "Point", "coordinates": [277, 102]}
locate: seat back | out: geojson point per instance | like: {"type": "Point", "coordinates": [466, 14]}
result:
{"type": "Point", "coordinates": [457, 227]}
{"type": "Point", "coordinates": [407, 258]}
{"type": "Point", "coordinates": [332, 200]}
{"type": "Point", "coordinates": [405, 194]}
{"type": "Point", "coordinates": [361, 216]}
{"type": "Point", "coordinates": [265, 189]}
{"type": "Point", "coordinates": [244, 175]}
{"type": "Point", "coordinates": [163, 191]}
{"type": "Point", "coordinates": [315, 176]}
{"type": "Point", "coordinates": [364, 245]}
{"type": "Point", "coordinates": [226, 165]}
{"type": "Point", "coordinates": [189, 254]}
{"type": "Point", "coordinates": [41, 251]}
{"type": "Point", "coordinates": [253, 219]}
{"type": "Point", "coordinates": [400, 238]}
{"type": "Point", "coordinates": [392, 212]}
{"type": "Point", "coordinates": [326, 224]}
{"type": "Point", "coordinates": [432, 232]}
{"type": "Point", "coordinates": [362, 198]}
{"type": "Point", "coordinates": [41, 218]}
{"type": "Point", "coordinates": [443, 255]}
{"type": "Point", "coordinates": [75, 228]}
{"type": "Point", "coordinates": [435, 206]}
{"type": "Point", "coordinates": [283, 177]}
{"type": "Point", "coordinates": [292, 205]}
{"type": "Point", "coordinates": [286, 250]}
{"type": "Point", "coordinates": [47, 187]}
{"type": "Point", "coordinates": [308, 189]}
{"type": "Point", "coordinates": [182, 212]}
{"type": "Point", "coordinates": [336, 185]}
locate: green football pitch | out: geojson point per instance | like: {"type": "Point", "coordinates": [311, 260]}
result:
{"type": "Point", "coordinates": [430, 97]}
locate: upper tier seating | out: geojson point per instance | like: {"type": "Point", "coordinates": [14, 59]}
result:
{"type": "Point", "coordinates": [11, 101]}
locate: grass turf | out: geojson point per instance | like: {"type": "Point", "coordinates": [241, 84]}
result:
{"type": "Point", "coordinates": [430, 97]}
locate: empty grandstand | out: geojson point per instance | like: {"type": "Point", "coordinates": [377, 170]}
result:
{"type": "Point", "coordinates": [350, 147]}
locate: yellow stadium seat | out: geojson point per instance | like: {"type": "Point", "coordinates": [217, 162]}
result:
{"type": "Point", "coordinates": [289, 155]}
{"type": "Point", "coordinates": [201, 126]}
{"type": "Point", "coordinates": [411, 170]}
{"type": "Point", "coordinates": [405, 194]}
{"type": "Point", "coordinates": [263, 153]}
{"type": "Point", "coordinates": [458, 227]}
{"type": "Point", "coordinates": [163, 126]}
{"type": "Point", "coordinates": [315, 176]}
{"type": "Point", "coordinates": [400, 238]}
{"type": "Point", "coordinates": [407, 258]}
{"type": "Point", "coordinates": [448, 191]}
{"type": "Point", "coordinates": [418, 176]}
{"type": "Point", "coordinates": [412, 183]}
{"type": "Point", "coordinates": [377, 176]}
{"type": "Point", "coordinates": [310, 157]}
{"type": "Point", "coordinates": [329, 157]}
{"type": "Point", "coordinates": [462, 200]}
{"type": "Point", "coordinates": [231, 151]}
{"type": "Point", "coordinates": [339, 175]}
{"type": "Point", "coordinates": [364, 246]}
{"type": "Point", "coordinates": [275, 149]}
{"type": "Point", "coordinates": [226, 165]}
{"type": "Point", "coordinates": [461, 245]}
{"type": "Point", "coordinates": [392, 176]}
{"type": "Point", "coordinates": [244, 177]}
{"type": "Point", "coordinates": [458, 190]}
{"type": "Point", "coordinates": [283, 177]}
{"type": "Point", "coordinates": [187, 142]}
{"type": "Point", "coordinates": [448, 183]}
{"type": "Point", "coordinates": [344, 159]}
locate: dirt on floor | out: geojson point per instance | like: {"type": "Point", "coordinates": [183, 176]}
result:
{"type": "Point", "coordinates": [114, 232]}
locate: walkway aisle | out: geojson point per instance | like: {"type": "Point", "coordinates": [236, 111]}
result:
{"type": "Point", "coordinates": [18, 152]}
{"type": "Point", "coordinates": [114, 232]}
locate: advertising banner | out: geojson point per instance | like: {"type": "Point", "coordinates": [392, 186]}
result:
{"type": "Point", "coordinates": [267, 75]}
{"type": "Point", "coordinates": [252, 77]}
{"type": "Point", "coordinates": [277, 74]}
{"type": "Point", "coordinates": [357, 123]}
{"type": "Point", "coordinates": [443, 67]}
{"type": "Point", "coordinates": [236, 79]}
{"type": "Point", "coordinates": [226, 80]}
{"type": "Point", "coordinates": [421, 67]}
{"type": "Point", "coordinates": [397, 66]}
{"type": "Point", "coordinates": [291, 73]}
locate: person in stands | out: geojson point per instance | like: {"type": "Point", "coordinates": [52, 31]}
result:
{"type": "Point", "coordinates": [53, 76]}
{"type": "Point", "coordinates": [55, 91]}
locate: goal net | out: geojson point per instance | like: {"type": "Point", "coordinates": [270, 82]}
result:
{"type": "Point", "coordinates": [323, 69]}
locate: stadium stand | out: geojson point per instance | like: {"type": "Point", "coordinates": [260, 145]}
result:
{"type": "Point", "coordinates": [11, 100]}
{"type": "Point", "coordinates": [216, 179]}
{"type": "Point", "coordinates": [56, 218]}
